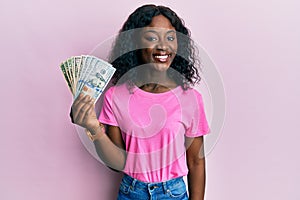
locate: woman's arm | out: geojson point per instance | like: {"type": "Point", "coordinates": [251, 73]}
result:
{"type": "Point", "coordinates": [109, 147]}
{"type": "Point", "coordinates": [196, 166]}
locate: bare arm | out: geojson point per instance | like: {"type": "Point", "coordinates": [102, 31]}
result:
{"type": "Point", "coordinates": [109, 147]}
{"type": "Point", "coordinates": [196, 166]}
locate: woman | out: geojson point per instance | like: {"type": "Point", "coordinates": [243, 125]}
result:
{"type": "Point", "coordinates": [152, 122]}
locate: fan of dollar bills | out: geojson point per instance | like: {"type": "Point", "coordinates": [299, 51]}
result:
{"type": "Point", "coordinates": [87, 74]}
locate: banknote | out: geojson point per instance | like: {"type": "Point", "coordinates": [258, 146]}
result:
{"type": "Point", "coordinates": [87, 74]}
{"type": "Point", "coordinates": [69, 74]}
{"type": "Point", "coordinates": [77, 66]}
{"type": "Point", "coordinates": [66, 76]}
{"type": "Point", "coordinates": [70, 63]}
{"type": "Point", "coordinates": [85, 68]}
{"type": "Point", "coordinates": [97, 79]}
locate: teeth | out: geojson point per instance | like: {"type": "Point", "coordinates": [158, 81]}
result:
{"type": "Point", "coordinates": [162, 57]}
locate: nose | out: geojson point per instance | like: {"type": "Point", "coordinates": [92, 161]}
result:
{"type": "Point", "coordinates": [162, 45]}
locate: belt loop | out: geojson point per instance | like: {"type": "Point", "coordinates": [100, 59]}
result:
{"type": "Point", "coordinates": [133, 183]}
{"type": "Point", "coordinates": [165, 187]}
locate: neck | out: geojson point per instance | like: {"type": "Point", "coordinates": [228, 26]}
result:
{"type": "Point", "coordinates": [148, 76]}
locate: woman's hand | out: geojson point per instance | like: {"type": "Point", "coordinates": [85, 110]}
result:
{"type": "Point", "coordinates": [83, 113]}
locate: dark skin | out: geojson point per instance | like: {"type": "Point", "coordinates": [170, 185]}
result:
{"type": "Point", "coordinates": [110, 146]}
{"type": "Point", "coordinates": [160, 39]}
{"type": "Point", "coordinates": [196, 166]}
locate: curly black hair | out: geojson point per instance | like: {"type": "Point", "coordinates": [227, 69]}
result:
{"type": "Point", "coordinates": [125, 55]}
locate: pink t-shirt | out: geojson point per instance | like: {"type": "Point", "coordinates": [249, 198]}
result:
{"type": "Point", "coordinates": [154, 126]}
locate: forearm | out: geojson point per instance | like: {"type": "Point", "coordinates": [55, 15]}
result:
{"type": "Point", "coordinates": [113, 156]}
{"type": "Point", "coordinates": [196, 180]}
{"type": "Point", "coordinates": [83, 114]}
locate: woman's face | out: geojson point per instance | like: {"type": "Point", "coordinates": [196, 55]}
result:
{"type": "Point", "coordinates": [159, 43]}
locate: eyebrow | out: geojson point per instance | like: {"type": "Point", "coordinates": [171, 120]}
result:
{"type": "Point", "coordinates": [153, 31]}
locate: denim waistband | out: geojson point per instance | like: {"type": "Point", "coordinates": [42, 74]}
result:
{"type": "Point", "coordinates": [152, 185]}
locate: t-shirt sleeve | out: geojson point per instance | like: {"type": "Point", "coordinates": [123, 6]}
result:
{"type": "Point", "coordinates": [199, 125]}
{"type": "Point", "coordinates": [107, 115]}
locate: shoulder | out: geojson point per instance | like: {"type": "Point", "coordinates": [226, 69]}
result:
{"type": "Point", "coordinates": [117, 92]}
{"type": "Point", "coordinates": [116, 88]}
{"type": "Point", "coordinates": [191, 97]}
{"type": "Point", "coordinates": [192, 92]}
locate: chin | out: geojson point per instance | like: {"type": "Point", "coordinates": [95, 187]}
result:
{"type": "Point", "coordinates": [161, 67]}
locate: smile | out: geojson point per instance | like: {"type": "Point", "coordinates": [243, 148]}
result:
{"type": "Point", "coordinates": [162, 58]}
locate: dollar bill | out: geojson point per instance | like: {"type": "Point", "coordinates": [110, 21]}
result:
{"type": "Point", "coordinates": [85, 68]}
{"type": "Point", "coordinates": [66, 76]}
{"type": "Point", "coordinates": [97, 79]}
{"type": "Point", "coordinates": [77, 67]}
{"type": "Point", "coordinates": [69, 73]}
{"type": "Point", "coordinates": [69, 63]}
{"type": "Point", "coordinates": [87, 74]}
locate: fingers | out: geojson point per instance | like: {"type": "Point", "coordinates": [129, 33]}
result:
{"type": "Point", "coordinates": [77, 105]}
{"type": "Point", "coordinates": [74, 106]}
{"type": "Point", "coordinates": [78, 99]}
{"type": "Point", "coordinates": [85, 112]}
{"type": "Point", "coordinates": [91, 109]}
{"type": "Point", "coordinates": [81, 108]}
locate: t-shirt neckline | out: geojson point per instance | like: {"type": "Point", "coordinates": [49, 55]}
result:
{"type": "Point", "coordinates": [141, 92]}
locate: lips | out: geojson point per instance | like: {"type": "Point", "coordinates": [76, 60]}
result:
{"type": "Point", "coordinates": [162, 58]}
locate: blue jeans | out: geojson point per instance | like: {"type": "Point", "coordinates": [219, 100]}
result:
{"type": "Point", "coordinates": [133, 189]}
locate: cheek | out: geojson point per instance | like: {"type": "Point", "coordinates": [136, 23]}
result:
{"type": "Point", "coordinates": [174, 46]}
{"type": "Point", "coordinates": [146, 54]}
{"type": "Point", "coordinates": [147, 45]}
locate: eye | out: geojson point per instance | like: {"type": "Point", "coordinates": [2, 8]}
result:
{"type": "Point", "coordinates": [150, 38]}
{"type": "Point", "coordinates": [171, 38]}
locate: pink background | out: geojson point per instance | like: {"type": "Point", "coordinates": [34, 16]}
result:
{"type": "Point", "coordinates": [255, 44]}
